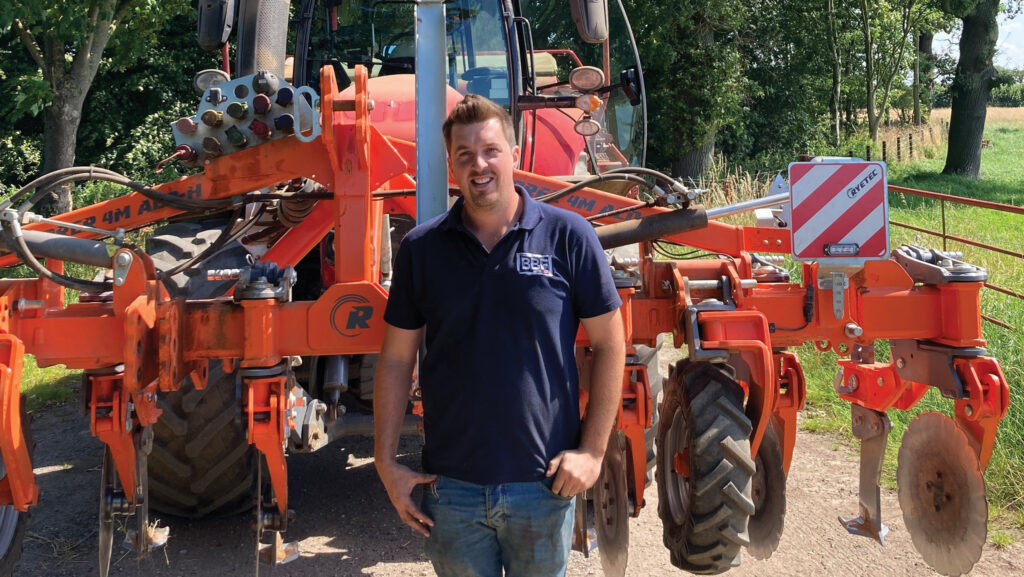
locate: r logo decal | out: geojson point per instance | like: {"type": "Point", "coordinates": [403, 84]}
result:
{"type": "Point", "coordinates": [351, 315]}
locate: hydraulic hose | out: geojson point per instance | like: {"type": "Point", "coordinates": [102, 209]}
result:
{"type": "Point", "coordinates": [652, 227]}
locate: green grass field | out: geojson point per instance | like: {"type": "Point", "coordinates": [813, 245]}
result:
{"type": "Point", "coordinates": [1002, 181]}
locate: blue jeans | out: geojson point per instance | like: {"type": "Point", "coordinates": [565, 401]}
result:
{"type": "Point", "coordinates": [481, 529]}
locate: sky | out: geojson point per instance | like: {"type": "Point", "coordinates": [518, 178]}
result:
{"type": "Point", "coordinates": [1009, 48]}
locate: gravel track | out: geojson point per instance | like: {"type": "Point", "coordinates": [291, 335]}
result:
{"type": "Point", "coordinates": [346, 526]}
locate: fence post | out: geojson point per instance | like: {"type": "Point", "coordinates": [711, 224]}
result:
{"type": "Point", "coordinates": [910, 138]}
{"type": "Point", "coordinates": [885, 152]}
{"type": "Point", "coordinates": [850, 153]}
{"type": "Point", "coordinates": [867, 152]}
{"type": "Point", "coordinates": [899, 150]}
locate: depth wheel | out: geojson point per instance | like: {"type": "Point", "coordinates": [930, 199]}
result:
{"type": "Point", "coordinates": [769, 492]}
{"type": "Point", "coordinates": [705, 507]}
{"type": "Point", "coordinates": [13, 522]}
{"type": "Point", "coordinates": [611, 510]}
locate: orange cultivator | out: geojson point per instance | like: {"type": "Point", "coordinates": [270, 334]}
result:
{"type": "Point", "coordinates": [726, 423]}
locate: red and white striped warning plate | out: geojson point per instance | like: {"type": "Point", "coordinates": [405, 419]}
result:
{"type": "Point", "coordinates": [839, 210]}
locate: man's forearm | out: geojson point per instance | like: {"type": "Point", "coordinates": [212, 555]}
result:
{"type": "Point", "coordinates": [390, 399]}
{"type": "Point", "coordinates": [605, 395]}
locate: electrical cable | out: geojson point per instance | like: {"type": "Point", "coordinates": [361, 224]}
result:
{"type": "Point", "coordinates": [659, 246]}
{"type": "Point", "coordinates": [589, 181]}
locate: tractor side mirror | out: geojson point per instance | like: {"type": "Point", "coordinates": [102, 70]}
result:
{"type": "Point", "coordinates": [216, 19]}
{"type": "Point", "coordinates": [630, 82]}
{"type": "Point", "coordinates": [591, 18]}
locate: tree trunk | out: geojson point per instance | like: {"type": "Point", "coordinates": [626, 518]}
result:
{"type": "Point", "coordinates": [60, 130]}
{"type": "Point", "coordinates": [693, 164]}
{"type": "Point", "coordinates": [924, 48]}
{"type": "Point", "coordinates": [836, 94]}
{"type": "Point", "coordinates": [869, 72]}
{"type": "Point", "coordinates": [971, 87]}
{"type": "Point", "coordinates": [917, 83]}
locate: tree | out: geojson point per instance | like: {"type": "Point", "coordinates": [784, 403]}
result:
{"type": "Point", "coordinates": [971, 88]}
{"type": "Point", "coordinates": [887, 29]}
{"type": "Point", "coordinates": [693, 76]}
{"type": "Point", "coordinates": [66, 40]}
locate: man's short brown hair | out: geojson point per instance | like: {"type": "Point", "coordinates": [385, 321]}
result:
{"type": "Point", "coordinates": [475, 108]}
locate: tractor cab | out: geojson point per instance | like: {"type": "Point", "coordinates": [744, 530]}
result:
{"type": "Point", "coordinates": [520, 56]}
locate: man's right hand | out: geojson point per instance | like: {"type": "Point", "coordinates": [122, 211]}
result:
{"type": "Point", "coordinates": [399, 481]}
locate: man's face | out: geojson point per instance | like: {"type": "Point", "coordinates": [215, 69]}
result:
{"type": "Point", "coordinates": [481, 161]}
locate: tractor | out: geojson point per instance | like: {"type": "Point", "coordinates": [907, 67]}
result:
{"type": "Point", "coordinates": [246, 327]}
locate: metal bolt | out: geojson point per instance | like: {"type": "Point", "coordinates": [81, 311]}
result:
{"type": "Point", "coordinates": [123, 259]}
{"type": "Point", "coordinates": [852, 383]}
{"type": "Point", "coordinates": [149, 397]}
{"type": "Point", "coordinates": [968, 410]}
{"type": "Point", "coordinates": [853, 330]}
{"type": "Point", "coordinates": [881, 382]}
{"type": "Point", "coordinates": [666, 286]}
{"type": "Point", "coordinates": [30, 305]}
{"type": "Point", "coordinates": [901, 362]}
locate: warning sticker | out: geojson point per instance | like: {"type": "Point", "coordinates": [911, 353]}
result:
{"type": "Point", "coordinates": [839, 210]}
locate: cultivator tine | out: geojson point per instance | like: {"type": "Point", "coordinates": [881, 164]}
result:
{"type": "Point", "coordinates": [112, 501]}
{"type": "Point", "coordinates": [145, 537]}
{"type": "Point", "coordinates": [872, 428]}
{"type": "Point", "coordinates": [268, 519]}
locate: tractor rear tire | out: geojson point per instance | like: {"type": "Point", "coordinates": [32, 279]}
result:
{"type": "Point", "coordinates": [705, 513]}
{"type": "Point", "coordinates": [14, 523]}
{"type": "Point", "coordinates": [202, 464]}
{"type": "Point", "coordinates": [179, 241]}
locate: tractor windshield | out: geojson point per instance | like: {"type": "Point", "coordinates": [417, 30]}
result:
{"type": "Point", "coordinates": [381, 36]}
{"type": "Point", "coordinates": [557, 49]}
{"type": "Point", "coordinates": [500, 49]}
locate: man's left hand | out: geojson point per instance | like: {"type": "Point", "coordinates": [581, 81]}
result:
{"type": "Point", "coordinates": [574, 471]}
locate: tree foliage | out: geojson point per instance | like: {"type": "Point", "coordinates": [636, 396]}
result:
{"type": "Point", "coordinates": [694, 74]}
{"type": "Point", "coordinates": [68, 41]}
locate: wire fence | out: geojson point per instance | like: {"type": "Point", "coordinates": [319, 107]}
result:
{"type": "Point", "coordinates": [946, 237]}
{"type": "Point", "coordinates": [906, 144]}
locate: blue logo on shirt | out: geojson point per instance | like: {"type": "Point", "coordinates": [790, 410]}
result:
{"type": "Point", "coordinates": [534, 264]}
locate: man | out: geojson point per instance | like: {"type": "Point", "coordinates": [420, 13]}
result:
{"type": "Point", "coordinates": [498, 287]}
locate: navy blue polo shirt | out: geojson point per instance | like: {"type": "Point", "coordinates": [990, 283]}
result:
{"type": "Point", "coordinates": [499, 381]}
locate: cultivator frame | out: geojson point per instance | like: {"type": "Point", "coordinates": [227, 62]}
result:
{"type": "Point", "coordinates": [736, 310]}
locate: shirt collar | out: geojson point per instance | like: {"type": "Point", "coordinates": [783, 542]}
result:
{"type": "Point", "coordinates": [529, 220]}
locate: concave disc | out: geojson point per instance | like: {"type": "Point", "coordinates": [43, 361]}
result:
{"type": "Point", "coordinates": [942, 494]}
